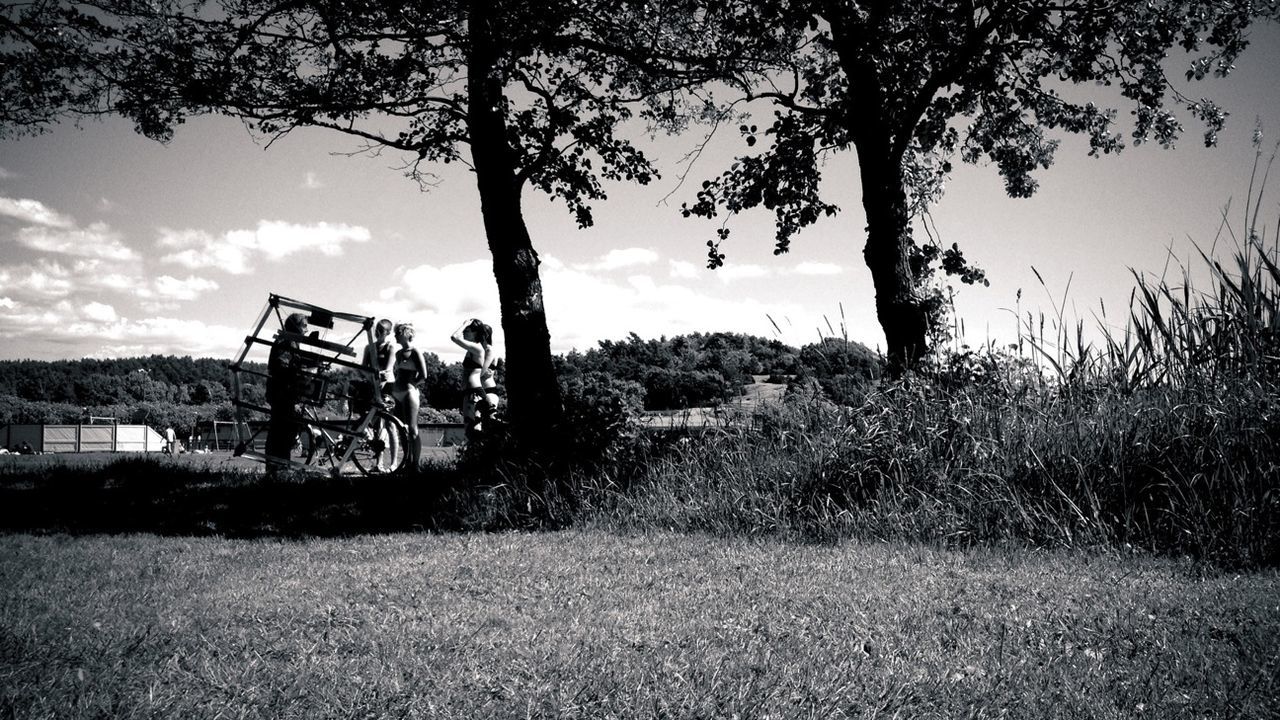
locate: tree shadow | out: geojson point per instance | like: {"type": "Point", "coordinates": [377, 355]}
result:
{"type": "Point", "coordinates": [148, 496]}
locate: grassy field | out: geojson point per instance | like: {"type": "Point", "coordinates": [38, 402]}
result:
{"type": "Point", "coordinates": [595, 624]}
{"type": "Point", "coordinates": [1058, 529]}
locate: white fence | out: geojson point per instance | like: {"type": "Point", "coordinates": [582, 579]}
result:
{"type": "Point", "coordinates": [82, 438]}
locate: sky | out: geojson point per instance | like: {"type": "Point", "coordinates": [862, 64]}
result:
{"type": "Point", "coordinates": [112, 245]}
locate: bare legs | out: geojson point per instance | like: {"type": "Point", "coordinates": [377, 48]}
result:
{"type": "Point", "coordinates": [407, 403]}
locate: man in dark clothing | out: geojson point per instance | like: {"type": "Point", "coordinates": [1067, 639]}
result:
{"type": "Point", "coordinates": [285, 382]}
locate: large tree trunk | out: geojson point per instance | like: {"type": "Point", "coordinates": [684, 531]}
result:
{"type": "Point", "coordinates": [888, 255]}
{"type": "Point", "coordinates": [533, 394]}
{"type": "Point", "coordinates": [870, 119]}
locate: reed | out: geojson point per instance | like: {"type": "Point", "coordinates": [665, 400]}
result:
{"type": "Point", "coordinates": [1162, 435]}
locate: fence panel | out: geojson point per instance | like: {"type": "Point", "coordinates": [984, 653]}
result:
{"type": "Point", "coordinates": [97, 438]}
{"type": "Point", "coordinates": [61, 438]}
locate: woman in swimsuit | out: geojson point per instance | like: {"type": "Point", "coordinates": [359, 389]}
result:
{"type": "Point", "coordinates": [410, 369]}
{"type": "Point", "coordinates": [480, 398]}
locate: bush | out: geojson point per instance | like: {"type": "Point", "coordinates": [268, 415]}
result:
{"type": "Point", "coordinates": [836, 356]}
{"type": "Point", "coordinates": [428, 414]}
{"type": "Point", "coordinates": [539, 480]}
{"type": "Point", "coordinates": [666, 389]}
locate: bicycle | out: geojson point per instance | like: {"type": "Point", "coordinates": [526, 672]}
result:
{"type": "Point", "coordinates": [375, 442]}
{"type": "Point", "coordinates": [370, 437]}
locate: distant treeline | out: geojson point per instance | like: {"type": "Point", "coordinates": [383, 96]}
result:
{"type": "Point", "coordinates": [669, 373]}
{"type": "Point", "coordinates": [705, 369]}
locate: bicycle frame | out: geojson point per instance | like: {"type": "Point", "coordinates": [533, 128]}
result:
{"type": "Point", "coordinates": [323, 359]}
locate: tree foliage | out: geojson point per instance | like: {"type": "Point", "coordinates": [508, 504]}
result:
{"type": "Point", "coordinates": [510, 87]}
{"type": "Point", "coordinates": [911, 84]}
{"type": "Point", "coordinates": [182, 380]}
{"type": "Point", "coordinates": [702, 369]}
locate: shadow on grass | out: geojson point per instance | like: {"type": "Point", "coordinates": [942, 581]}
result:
{"type": "Point", "coordinates": [145, 495]}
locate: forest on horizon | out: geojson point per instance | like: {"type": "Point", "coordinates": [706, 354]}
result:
{"type": "Point", "coordinates": [695, 370]}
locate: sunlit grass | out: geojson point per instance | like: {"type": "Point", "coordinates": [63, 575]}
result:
{"type": "Point", "coordinates": [590, 624]}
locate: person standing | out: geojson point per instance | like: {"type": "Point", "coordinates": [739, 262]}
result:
{"type": "Point", "coordinates": [380, 354]}
{"type": "Point", "coordinates": [409, 368]}
{"type": "Point", "coordinates": [479, 387]}
{"type": "Point", "coordinates": [285, 380]}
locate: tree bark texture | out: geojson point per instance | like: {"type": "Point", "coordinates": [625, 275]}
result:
{"type": "Point", "coordinates": [533, 393]}
{"type": "Point", "coordinates": [888, 256]}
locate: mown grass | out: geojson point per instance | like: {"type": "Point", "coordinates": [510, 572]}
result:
{"type": "Point", "coordinates": [593, 624]}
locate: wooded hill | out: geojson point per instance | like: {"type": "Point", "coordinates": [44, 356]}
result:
{"type": "Point", "coordinates": [693, 370]}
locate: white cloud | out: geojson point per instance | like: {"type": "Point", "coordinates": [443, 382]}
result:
{"type": "Point", "coordinates": [99, 312]}
{"type": "Point", "coordinates": [311, 181]}
{"type": "Point", "coordinates": [582, 307]}
{"type": "Point", "coordinates": [98, 240]}
{"type": "Point", "coordinates": [280, 239]}
{"type": "Point", "coordinates": [732, 273]}
{"type": "Point", "coordinates": [647, 307]}
{"type": "Point", "coordinates": [47, 279]}
{"type": "Point", "coordinates": [32, 212]}
{"type": "Point", "coordinates": [683, 269]}
{"type": "Point", "coordinates": [118, 282]}
{"type": "Point", "coordinates": [621, 258]}
{"type": "Point", "coordinates": [98, 325]}
{"type": "Point", "coordinates": [201, 250]}
{"type": "Point", "coordinates": [817, 268]}
{"type": "Point", "coordinates": [21, 320]}
{"type": "Point", "coordinates": [167, 335]}
{"type": "Point", "coordinates": [237, 251]}
{"type": "Point", "coordinates": [191, 288]}
{"type": "Point", "coordinates": [6, 174]}
{"type": "Point", "coordinates": [43, 280]}
{"type": "Point", "coordinates": [438, 299]}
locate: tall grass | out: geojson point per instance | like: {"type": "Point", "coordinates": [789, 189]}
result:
{"type": "Point", "coordinates": [1163, 435]}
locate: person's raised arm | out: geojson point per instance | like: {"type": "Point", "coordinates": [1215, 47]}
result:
{"type": "Point", "coordinates": [468, 345]}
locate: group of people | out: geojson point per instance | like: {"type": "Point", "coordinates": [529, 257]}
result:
{"type": "Point", "coordinates": [22, 448]}
{"type": "Point", "coordinates": [400, 370]}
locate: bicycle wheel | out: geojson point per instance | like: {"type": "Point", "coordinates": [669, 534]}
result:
{"type": "Point", "coordinates": [382, 448]}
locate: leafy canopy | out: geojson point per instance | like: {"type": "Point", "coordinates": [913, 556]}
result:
{"type": "Point", "coordinates": [912, 83]}
{"type": "Point", "coordinates": [391, 73]}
